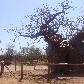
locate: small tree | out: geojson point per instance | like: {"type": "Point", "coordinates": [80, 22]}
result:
{"type": "Point", "coordinates": [34, 53]}
{"type": "Point", "coordinates": [9, 53]}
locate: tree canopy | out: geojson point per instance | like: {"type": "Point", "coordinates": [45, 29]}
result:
{"type": "Point", "coordinates": [55, 19]}
{"type": "Point", "coordinates": [48, 21]}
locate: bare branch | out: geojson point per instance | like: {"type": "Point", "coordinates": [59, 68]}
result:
{"type": "Point", "coordinates": [51, 19]}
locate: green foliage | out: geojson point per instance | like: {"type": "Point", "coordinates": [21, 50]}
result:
{"type": "Point", "coordinates": [24, 51]}
{"type": "Point", "coordinates": [27, 54]}
{"type": "Point", "coordinates": [34, 53]}
{"type": "Point", "coordinates": [9, 49]}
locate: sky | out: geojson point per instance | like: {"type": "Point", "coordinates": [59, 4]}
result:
{"type": "Point", "coordinates": [12, 13]}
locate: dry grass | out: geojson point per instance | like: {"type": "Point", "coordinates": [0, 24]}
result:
{"type": "Point", "coordinates": [37, 76]}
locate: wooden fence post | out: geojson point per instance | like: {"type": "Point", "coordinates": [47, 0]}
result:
{"type": "Point", "coordinates": [48, 78]}
{"type": "Point", "coordinates": [15, 62]}
{"type": "Point", "coordinates": [21, 72]}
{"type": "Point", "coordinates": [2, 69]}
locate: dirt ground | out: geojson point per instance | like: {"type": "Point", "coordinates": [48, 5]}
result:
{"type": "Point", "coordinates": [37, 76]}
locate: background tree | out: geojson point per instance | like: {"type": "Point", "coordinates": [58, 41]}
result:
{"type": "Point", "coordinates": [29, 53]}
{"type": "Point", "coordinates": [34, 53]}
{"type": "Point", "coordinates": [24, 51]}
{"type": "Point", "coordinates": [9, 53]}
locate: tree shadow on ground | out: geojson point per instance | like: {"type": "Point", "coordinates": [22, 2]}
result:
{"type": "Point", "coordinates": [54, 75]}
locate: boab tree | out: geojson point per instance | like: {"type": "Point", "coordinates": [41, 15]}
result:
{"type": "Point", "coordinates": [47, 23]}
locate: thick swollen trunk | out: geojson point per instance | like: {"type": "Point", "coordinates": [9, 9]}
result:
{"type": "Point", "coordinates": [57, 54]}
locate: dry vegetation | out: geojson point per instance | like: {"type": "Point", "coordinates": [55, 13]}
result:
{"type": "Point", "coordinates": [37, 76]}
